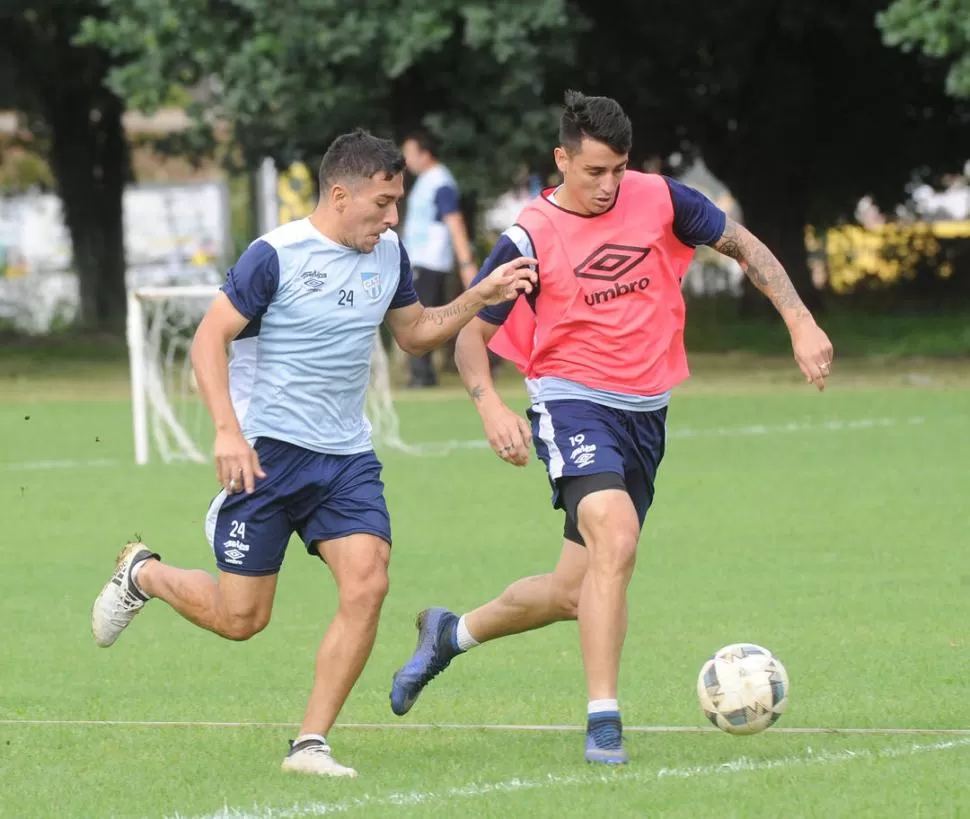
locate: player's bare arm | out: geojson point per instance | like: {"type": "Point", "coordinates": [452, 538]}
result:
{"type": "Point", "coordinates": [237, 465]}
{"type": "Point", "coordinates": [507, 432]}
{"type": "Point", "coordinates": [812, 348]}
{"type": "Point", "coordinates": [455, 223]}
{"type": "Point", "coordinates": [471, 358]}
{"type": "Point", "coordinates": [419, 329]}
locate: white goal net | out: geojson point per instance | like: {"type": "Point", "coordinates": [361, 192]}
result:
{"type": "Point", "coordinates": [167, 411]}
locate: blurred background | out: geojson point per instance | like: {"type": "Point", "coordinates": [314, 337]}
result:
{"type": "Point", "coordinates": [147, 142]}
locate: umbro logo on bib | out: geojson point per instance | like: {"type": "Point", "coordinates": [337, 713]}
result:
{"type": "Point", "coordinates": [610, 262]}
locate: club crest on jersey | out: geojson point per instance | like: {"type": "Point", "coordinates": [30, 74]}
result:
{"type": "Point", "coordinates": [313, 279]}
{"type": "Point", "coordinates": [371, 282]}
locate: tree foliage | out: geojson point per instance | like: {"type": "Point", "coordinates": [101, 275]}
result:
{"type": "Point", "coordinates": [799, 107]}
{"type": "Point", "coordinates": [288, 77]}
{"type": "Point", "coordinates": [939, 28]}
{"type": "Point", "coordinates": [60, 88]}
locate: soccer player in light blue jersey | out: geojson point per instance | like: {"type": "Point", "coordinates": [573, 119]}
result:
{"type": "Point", "coordinates": [300, 311]}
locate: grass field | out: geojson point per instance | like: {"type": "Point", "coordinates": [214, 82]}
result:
{"type": "Point", "coordinates": [833, 529]}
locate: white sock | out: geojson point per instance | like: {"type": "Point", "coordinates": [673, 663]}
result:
{"type": "Point", "coordinates": [465, 639]}
{"type": "Point", "coordinates": [603, 707]}
{"type": "Point", "coordinates": [305, 737]}
{"type": "Point", "coordinates": [135, 571]}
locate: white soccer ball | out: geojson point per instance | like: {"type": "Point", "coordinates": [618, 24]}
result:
{"type": "Point", "coordinates": [743, 689]}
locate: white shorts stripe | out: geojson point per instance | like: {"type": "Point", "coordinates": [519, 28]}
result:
{"type": "Point", "coordinates": [211, 516]}
{"type": "Point", "coordinates": [547, 435]}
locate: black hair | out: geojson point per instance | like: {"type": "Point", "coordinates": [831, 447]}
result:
{"type": "Point", "coordinates": [425, 141]}
{"type": "Point", "coordinates": [599, 118]}
{"type": "Point", "coordinates": [357, 156]}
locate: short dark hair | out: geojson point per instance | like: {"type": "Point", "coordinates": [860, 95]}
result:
{"type": "Point", "coordinates": [424, 140]}
{"type": "Point", "coordinates": [357, 156]}
{"type": "Point", "coordinates": [599, 118]}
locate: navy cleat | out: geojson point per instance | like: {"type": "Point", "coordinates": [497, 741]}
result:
{"type": "Point", "coordinates": [604, 739]}
{"type": "Point", "coordinates": [437, 647]}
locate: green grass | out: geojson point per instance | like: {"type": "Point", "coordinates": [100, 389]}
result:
{"type": "Point", "coordinates": [841, 549]}
{"type": "Point", "coordinates": [714, 326]}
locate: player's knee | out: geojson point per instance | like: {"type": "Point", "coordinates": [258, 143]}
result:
{"type": "Point", "coordinates": [243, 626]}
{"type": "Point", "coordinates": [566, 600]}
{"type": "Point", "coordinates": [614, 553]}
{"type": "Point", "coordinates": [365, 588]}
{"type": "Point", "coordinates": [611, 532]}
{"type": "Point", "coordinates": [600, 519]}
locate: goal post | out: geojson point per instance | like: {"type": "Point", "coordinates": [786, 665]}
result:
{"type": "Point", "coordinates": [168, 416]}
{"type": "Point", "coordinates": [161, 322]}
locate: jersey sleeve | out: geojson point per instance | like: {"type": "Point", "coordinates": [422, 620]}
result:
{"type": "Point", "coordinates": [697, 220]}
{"type": "Point", "coordinates": [405, 295]}
{"type": "Point", "coordinates": [446, 201]}
{"type": "Point", "coordinates": [512, 244]}
{"type": "Point", "coordinates": [254, 279]}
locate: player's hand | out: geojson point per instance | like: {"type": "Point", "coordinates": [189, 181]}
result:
{"type": "Point", "coordinates": [237, 464]}
{"type": "Point", "coordinates": [813, 351]}
{"type": "Point", "coordinates": [507, 281]}
{"type": "Point", "coordinates": [508, 433]}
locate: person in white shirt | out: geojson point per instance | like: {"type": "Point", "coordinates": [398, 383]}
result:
{"type": "Point", "coordinates": [435, 235]}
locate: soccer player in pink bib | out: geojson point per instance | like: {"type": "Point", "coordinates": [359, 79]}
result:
{"type": "Point", "coordinates": [600, 342]}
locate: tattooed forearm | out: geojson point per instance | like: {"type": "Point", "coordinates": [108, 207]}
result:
{"type": "Point", "coordinates": [477, 392]}
{"type": "Point", "coordinates": [433, 326]}
{"type": "Point", "coordinates": [438, 315]}
{"type": "Point", "coordinates": [762, 268]}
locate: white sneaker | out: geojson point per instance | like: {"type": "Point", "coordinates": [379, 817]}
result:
{"type": "Point", "coordinates": [313, 757]}
{"type": "Point", "coordinates": [120, 600]}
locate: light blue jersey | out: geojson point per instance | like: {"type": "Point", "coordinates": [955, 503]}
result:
{"type": "Point", "coordinates": [299, 371]}
{"type": "Point", "coordinates": [433, 196]}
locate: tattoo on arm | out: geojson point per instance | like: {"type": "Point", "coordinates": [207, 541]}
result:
{"type": "Point", "coordinates": [761, 267]}
{"type": "Point", "coordinates": [438, 315]}
{"type": "Point", "coordinates": [476, 393]}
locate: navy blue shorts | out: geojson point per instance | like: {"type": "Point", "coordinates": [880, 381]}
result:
{"type": "Point", "coordinates": [574, 438]}
{"type": "Point", "coordinates": [321, 497]}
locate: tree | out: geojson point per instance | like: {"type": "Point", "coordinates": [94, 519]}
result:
{"type": "Point", "coordinates": [938, 29]}
{"type": "Point", "coordinates": [799, 107]}
{"type": "Point", "coordinates": [60, 89]}
{"type": "Point", "coordinates": [290, 77]}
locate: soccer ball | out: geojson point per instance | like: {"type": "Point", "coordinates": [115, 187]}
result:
{"type": "Point", "coordinates": [743, 689]}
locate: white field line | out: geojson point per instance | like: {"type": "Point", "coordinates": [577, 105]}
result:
{"type": "Point", "coordinates": [403, 799]}
{"type": "Point", "coordinates": [444, 447]}
{"type": "Point", "coordinates": [453, 726]}
{"type": "Point", "coordinates": [795, 426]}
{"type": "Point", "coordinates": [27, 466]}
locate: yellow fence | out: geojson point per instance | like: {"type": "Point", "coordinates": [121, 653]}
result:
{"type": "Point", "coordinates": [295, 192]}
{"type": "Point", "coordinates": [889, 252]}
